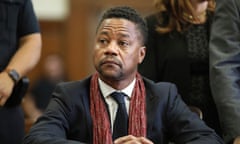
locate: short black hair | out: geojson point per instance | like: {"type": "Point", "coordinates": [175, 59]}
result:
{"type": "Point", "coordinates": [127, 13]}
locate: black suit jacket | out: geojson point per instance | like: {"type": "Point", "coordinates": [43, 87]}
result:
{"type": "Point", "coordinates": [67, 119]}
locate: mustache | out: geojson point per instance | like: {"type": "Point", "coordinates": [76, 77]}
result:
{"type": "Point", "coordinates": [110, 59]}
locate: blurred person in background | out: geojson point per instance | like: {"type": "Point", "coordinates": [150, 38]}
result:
{"type": "Point", "coordinates": [225, 67]}
{"type": "Point", "coordinates": [178, 51]}
{"type": "Point", "coordinates": [41, 90]}
{"type": "Point", "coordinates": [20, 50]}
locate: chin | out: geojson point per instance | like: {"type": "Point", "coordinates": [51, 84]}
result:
{"type": "Point", "coordinates": [107, 74]}
{"type": "Point", "coordinates": [111, 75]}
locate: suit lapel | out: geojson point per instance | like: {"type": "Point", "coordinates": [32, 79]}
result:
{"type": "Point", "coordinates": [86, 103]}
{"type": "Point", "coordinates": [150, 105]}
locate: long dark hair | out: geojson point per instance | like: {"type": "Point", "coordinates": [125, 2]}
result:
{"type": "Point", "coordinates": [175, 9]}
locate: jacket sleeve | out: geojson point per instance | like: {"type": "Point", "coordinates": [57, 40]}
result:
{"type": "Point", "coordinates": [52, 127]}
{"type": "Point", "coordinates": [225, 66]}
{"type": "Point", "coordinates": [186, 127]}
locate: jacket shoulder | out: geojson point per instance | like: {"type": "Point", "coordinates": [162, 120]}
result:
{"type": "Point", "coordinates": [160, 88]}
{"type": "Point", "coordinates": [73, 89]}
{"type": "Point", "coordinates": [71, 85]}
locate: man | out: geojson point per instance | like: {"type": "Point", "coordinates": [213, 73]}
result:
{"type": "Point", "coordinates": [20, 47]}
{"type": "Point", "coordinates": [225, 66]}
{"type": "Point", "coordinates": [87, 111]}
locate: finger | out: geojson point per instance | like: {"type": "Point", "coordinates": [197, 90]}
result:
{"type": "Point", "coordinates": [237, 140]}
{"type": "Point", "coordinates": [132, 140]}
{"type": "Point", "coordinates": [144, 140]}
{"type": "Point", "coordinates": [124, 139]}
{"type": "Point", "coordinates": [3, 101]}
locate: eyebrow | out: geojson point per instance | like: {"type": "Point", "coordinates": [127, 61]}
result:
{"type": "Point", "coordinates": [124, 35]}
{"type": "Point", "coordinates": [103, 33]}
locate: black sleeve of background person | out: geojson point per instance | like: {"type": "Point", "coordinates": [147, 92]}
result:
{"type": "Point", "coordinates": [27, 20]}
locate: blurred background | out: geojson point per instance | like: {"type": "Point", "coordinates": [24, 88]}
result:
{"type": "Point", "coordinates": [68, 27]}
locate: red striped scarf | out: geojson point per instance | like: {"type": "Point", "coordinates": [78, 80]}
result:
{"type": "Point", "coordinates": [137, 112]}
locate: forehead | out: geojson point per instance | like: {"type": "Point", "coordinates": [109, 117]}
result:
{"type": "Point", "coordinates": [118, 25]}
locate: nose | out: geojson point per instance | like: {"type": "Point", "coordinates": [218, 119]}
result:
{"type": "Point", "coordinates": [111, 49]}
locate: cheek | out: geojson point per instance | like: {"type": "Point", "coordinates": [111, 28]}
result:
{"type": "Point", "coordinates": [131, 59]}
{"type": "Point", "coordinates": [137, 56]}
{"type": "Point", "coordinates": [97, 53]}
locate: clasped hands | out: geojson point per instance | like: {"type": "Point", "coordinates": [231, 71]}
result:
{"type": "Point", "coordinates": [130, 139]}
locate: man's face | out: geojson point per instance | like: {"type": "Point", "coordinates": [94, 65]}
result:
{"type": "Point", "coordinates": [118, 49]}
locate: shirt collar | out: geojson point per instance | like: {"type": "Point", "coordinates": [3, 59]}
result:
{"type": "Point", "coordinates": [107, 89]}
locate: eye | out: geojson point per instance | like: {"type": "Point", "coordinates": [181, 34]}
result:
{"type": "Point", "coordinates": [102, 41]}
{"type": "Point", "coordinates": [123, 43]}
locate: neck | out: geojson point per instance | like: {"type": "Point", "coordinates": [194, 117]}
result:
{"type": "Point", "coordinates": [198, 12]}
{"type": "Point", "coordinates": [117, 84]}
{"type": "Point", "coordinates": [199, 6]}
{"type": "Point", "coordinates": [195, 19]}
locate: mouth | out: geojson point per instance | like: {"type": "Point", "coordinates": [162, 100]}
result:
{"type": "Point", "coordinates": [109, 62]}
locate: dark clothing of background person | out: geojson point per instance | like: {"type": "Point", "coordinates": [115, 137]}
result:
{"type": "Point", "coordinates": [42, 92]}
{"type": "Point", "coordinates": [182, 58]}
{"type": "Point", "coordinates": [68, 120]}
{"type": "Point", "coordinates": [53, 73]}
{"type": "Point", "coordinates": [225, 66]}
{"type": "Point", "coordinates": [17, 19]}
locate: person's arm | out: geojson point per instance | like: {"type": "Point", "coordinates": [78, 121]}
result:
{"type": "Point", "coordinates": [186, 126]}
{"type": "Point", "coordinates": [29, 40]}
{"type": "Point", "coordinates": [225, 66]}
{"type": "Point", "coordinates": [28, 51]}
{"type": "Point", "coordinates": [23, 61]}
{"type": "Point", "coordinates": [28, 54]}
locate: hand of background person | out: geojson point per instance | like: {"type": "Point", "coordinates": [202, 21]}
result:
{"type": "Point", "coordinates": [237, 140]}
{"type": "Point", "coordinates": [132, 139]}
{"type": "Point", "coordinates": [6, 87]}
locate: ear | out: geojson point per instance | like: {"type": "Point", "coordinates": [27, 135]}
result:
{"type": "Point", "coordinates": [142, 52]}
